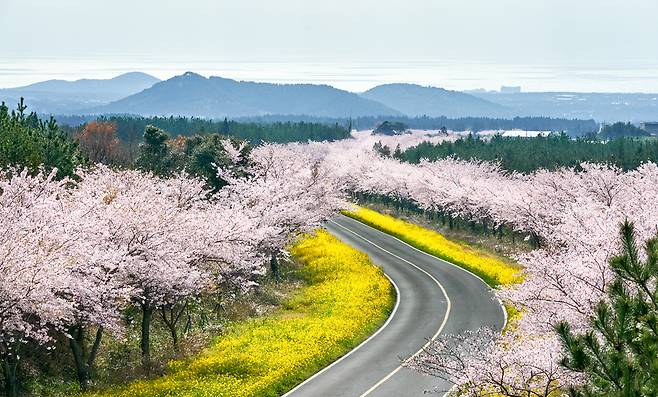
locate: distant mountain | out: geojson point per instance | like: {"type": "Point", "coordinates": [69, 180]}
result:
{"type": "Point", "coordinates": [416, 100]}
{"type": "Point", "coordinates": [119, 86]}
{"type": "Point", "coordinates": [61, 96]}
{"type": "Point", "coordinates": [194, 95]}
{"type": "Point", "coordinates": [631, 107]}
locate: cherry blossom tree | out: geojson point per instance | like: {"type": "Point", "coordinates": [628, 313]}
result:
{"type": "Point", "coordinates": [34, 270]}
{"type": "Point", "coordinates": [474, 363]}
{"type": "Point", "coordinates": [287, 190]}
{"type": "Point", "coordinates": [75, 253]}
{"type": "Point", "coordinates": [145, 231]}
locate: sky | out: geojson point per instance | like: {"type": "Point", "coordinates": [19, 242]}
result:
{"type": "Point", "coordinates": [595, 45]}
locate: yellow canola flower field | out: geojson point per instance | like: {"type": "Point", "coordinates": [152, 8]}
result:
{"type": "Point", "coordinates": [492, 270]}
{"type": "Point", "coordinates": [346, 299]}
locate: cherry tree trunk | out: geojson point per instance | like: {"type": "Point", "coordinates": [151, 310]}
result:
{"type": "Point", "coordinates": [91, 358]}
{"type": "Point", "coordinates": [9, 366]}
{"type": "Point", "coordinates": [80, 365]}
{"type": "Point", "coordinates": [274, 266]}
{"type": "Point", "coordinates": [145, 343]}
{"type": "Point", "coordinates": [171, 321]}
{"type": "Point", "coordinates": [84, 361]}
{"type": "Point", "coordinates": [174, 336]}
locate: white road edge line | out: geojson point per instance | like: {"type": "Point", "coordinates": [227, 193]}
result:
{"type": "Point", "coordinates": [390, 317]}
{"type": "Point", "coordinates": [500, 303]}
{"type": "Point", "coordinates": [396, 306]}
{"type": "Point", "coordinates": [438, 332]}
{"type": "Point", "coordinates": [502, 307]}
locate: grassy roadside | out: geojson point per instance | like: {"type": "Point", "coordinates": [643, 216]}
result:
{"type": "Point", "coordinates": [346, 299]}
{"type": "Point", "coordinates": [493, 270]}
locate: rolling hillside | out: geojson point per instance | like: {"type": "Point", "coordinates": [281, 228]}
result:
{"type": "Point", "coordinates": [194, 95]}
{"type": "Point", "coordinates": [416, 100]}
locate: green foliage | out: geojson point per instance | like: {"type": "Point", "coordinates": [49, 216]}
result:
{"type": "Point", "coordinates": [199, 155]}
{"type": "Point", "coordinates": [384, 150]}
{"type": "Point", "coordinates": [530, 154]}
{"type": "Point", "coordinates": [533, 123]}
{"type": "Point", "coordinates": [128, 129]}
{"type": "Point", "coordinates": [621, 130]}
{"type": "Point", "coordinates": [203, 154]}
{"type": "Point", "coordinates": [27, 141]}
{"type": "Point", "coordinates": [391, 128]}
{"type": "Point", "coordinates": [619, 354]}
{"type": "Point", "coordinates": [153, 152]}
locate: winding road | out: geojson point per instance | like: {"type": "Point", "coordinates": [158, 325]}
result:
{"type": "Point", "coordinates": [433, 297]}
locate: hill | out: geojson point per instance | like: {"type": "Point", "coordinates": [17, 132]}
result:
{"type": "Point", "coordinates": [416, 100]}
{"type": "Point", "coordinates": [215, 97]}
{"type": "Point", "coordinates": [62, 96]}
{"type": "Point", "coordinates": [122, 85]}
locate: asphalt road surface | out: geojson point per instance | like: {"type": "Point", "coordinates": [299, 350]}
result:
{"type": "Point", "coordinates": [434, 297]}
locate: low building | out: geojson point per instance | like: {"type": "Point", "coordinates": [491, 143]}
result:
{"type": "Point", "coordinates": [650, 126]}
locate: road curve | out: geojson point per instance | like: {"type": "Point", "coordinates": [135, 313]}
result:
{"type": "Point", "coordinates": [434, 297]}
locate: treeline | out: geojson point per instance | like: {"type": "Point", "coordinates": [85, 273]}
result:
{"type": "Point", "coordinates": [300, 128]}
{"type": "Point", "coordinates": [160, 153]}
{"type": "Point", "coordinates": [27, 141]}
{"type": "Point", "coordinates": [530, 154]}
{"type": "Point", "coordinates": [131, 128]}
{"type": "Point", "coordinates": [571, 127]}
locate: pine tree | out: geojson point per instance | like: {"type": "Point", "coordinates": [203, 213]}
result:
{"type": "Point", "coordinates": [398, 152]}
{"type": "Point", "coordinates": [153, 152]}
{"type": "Point", "coordinates": [619, 354]}
{"type": "Point", "coordinates": [225, 127]}
{"type": "Point", "coordinates": [27, 141]}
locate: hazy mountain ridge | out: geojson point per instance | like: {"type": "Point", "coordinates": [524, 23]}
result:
{"type": "Point", "coordinates": [124, 84]}
{"type": "Point", "coordinates": [63, 96]}
{"type": "Point", "coordinates": [191, 94]}
{"type": "Point", "coordinates": [194, 95]}
{"type": "Point", "coordinates": [416, 100]}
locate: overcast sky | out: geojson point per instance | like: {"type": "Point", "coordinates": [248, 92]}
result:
{"type": "Point", "coordinates": [562, 32]}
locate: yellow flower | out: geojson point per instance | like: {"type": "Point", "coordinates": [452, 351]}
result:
{"type": "Point", "coordinates": [494, 271]}
{"type": "Point", "coordinates": [346, 299]}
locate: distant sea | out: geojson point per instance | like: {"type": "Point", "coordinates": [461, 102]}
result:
{"type": "Point", "coordinates": [622, 76]}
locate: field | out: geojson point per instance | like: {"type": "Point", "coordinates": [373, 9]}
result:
{"type": "Point", "coordinates": [345, 300]}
